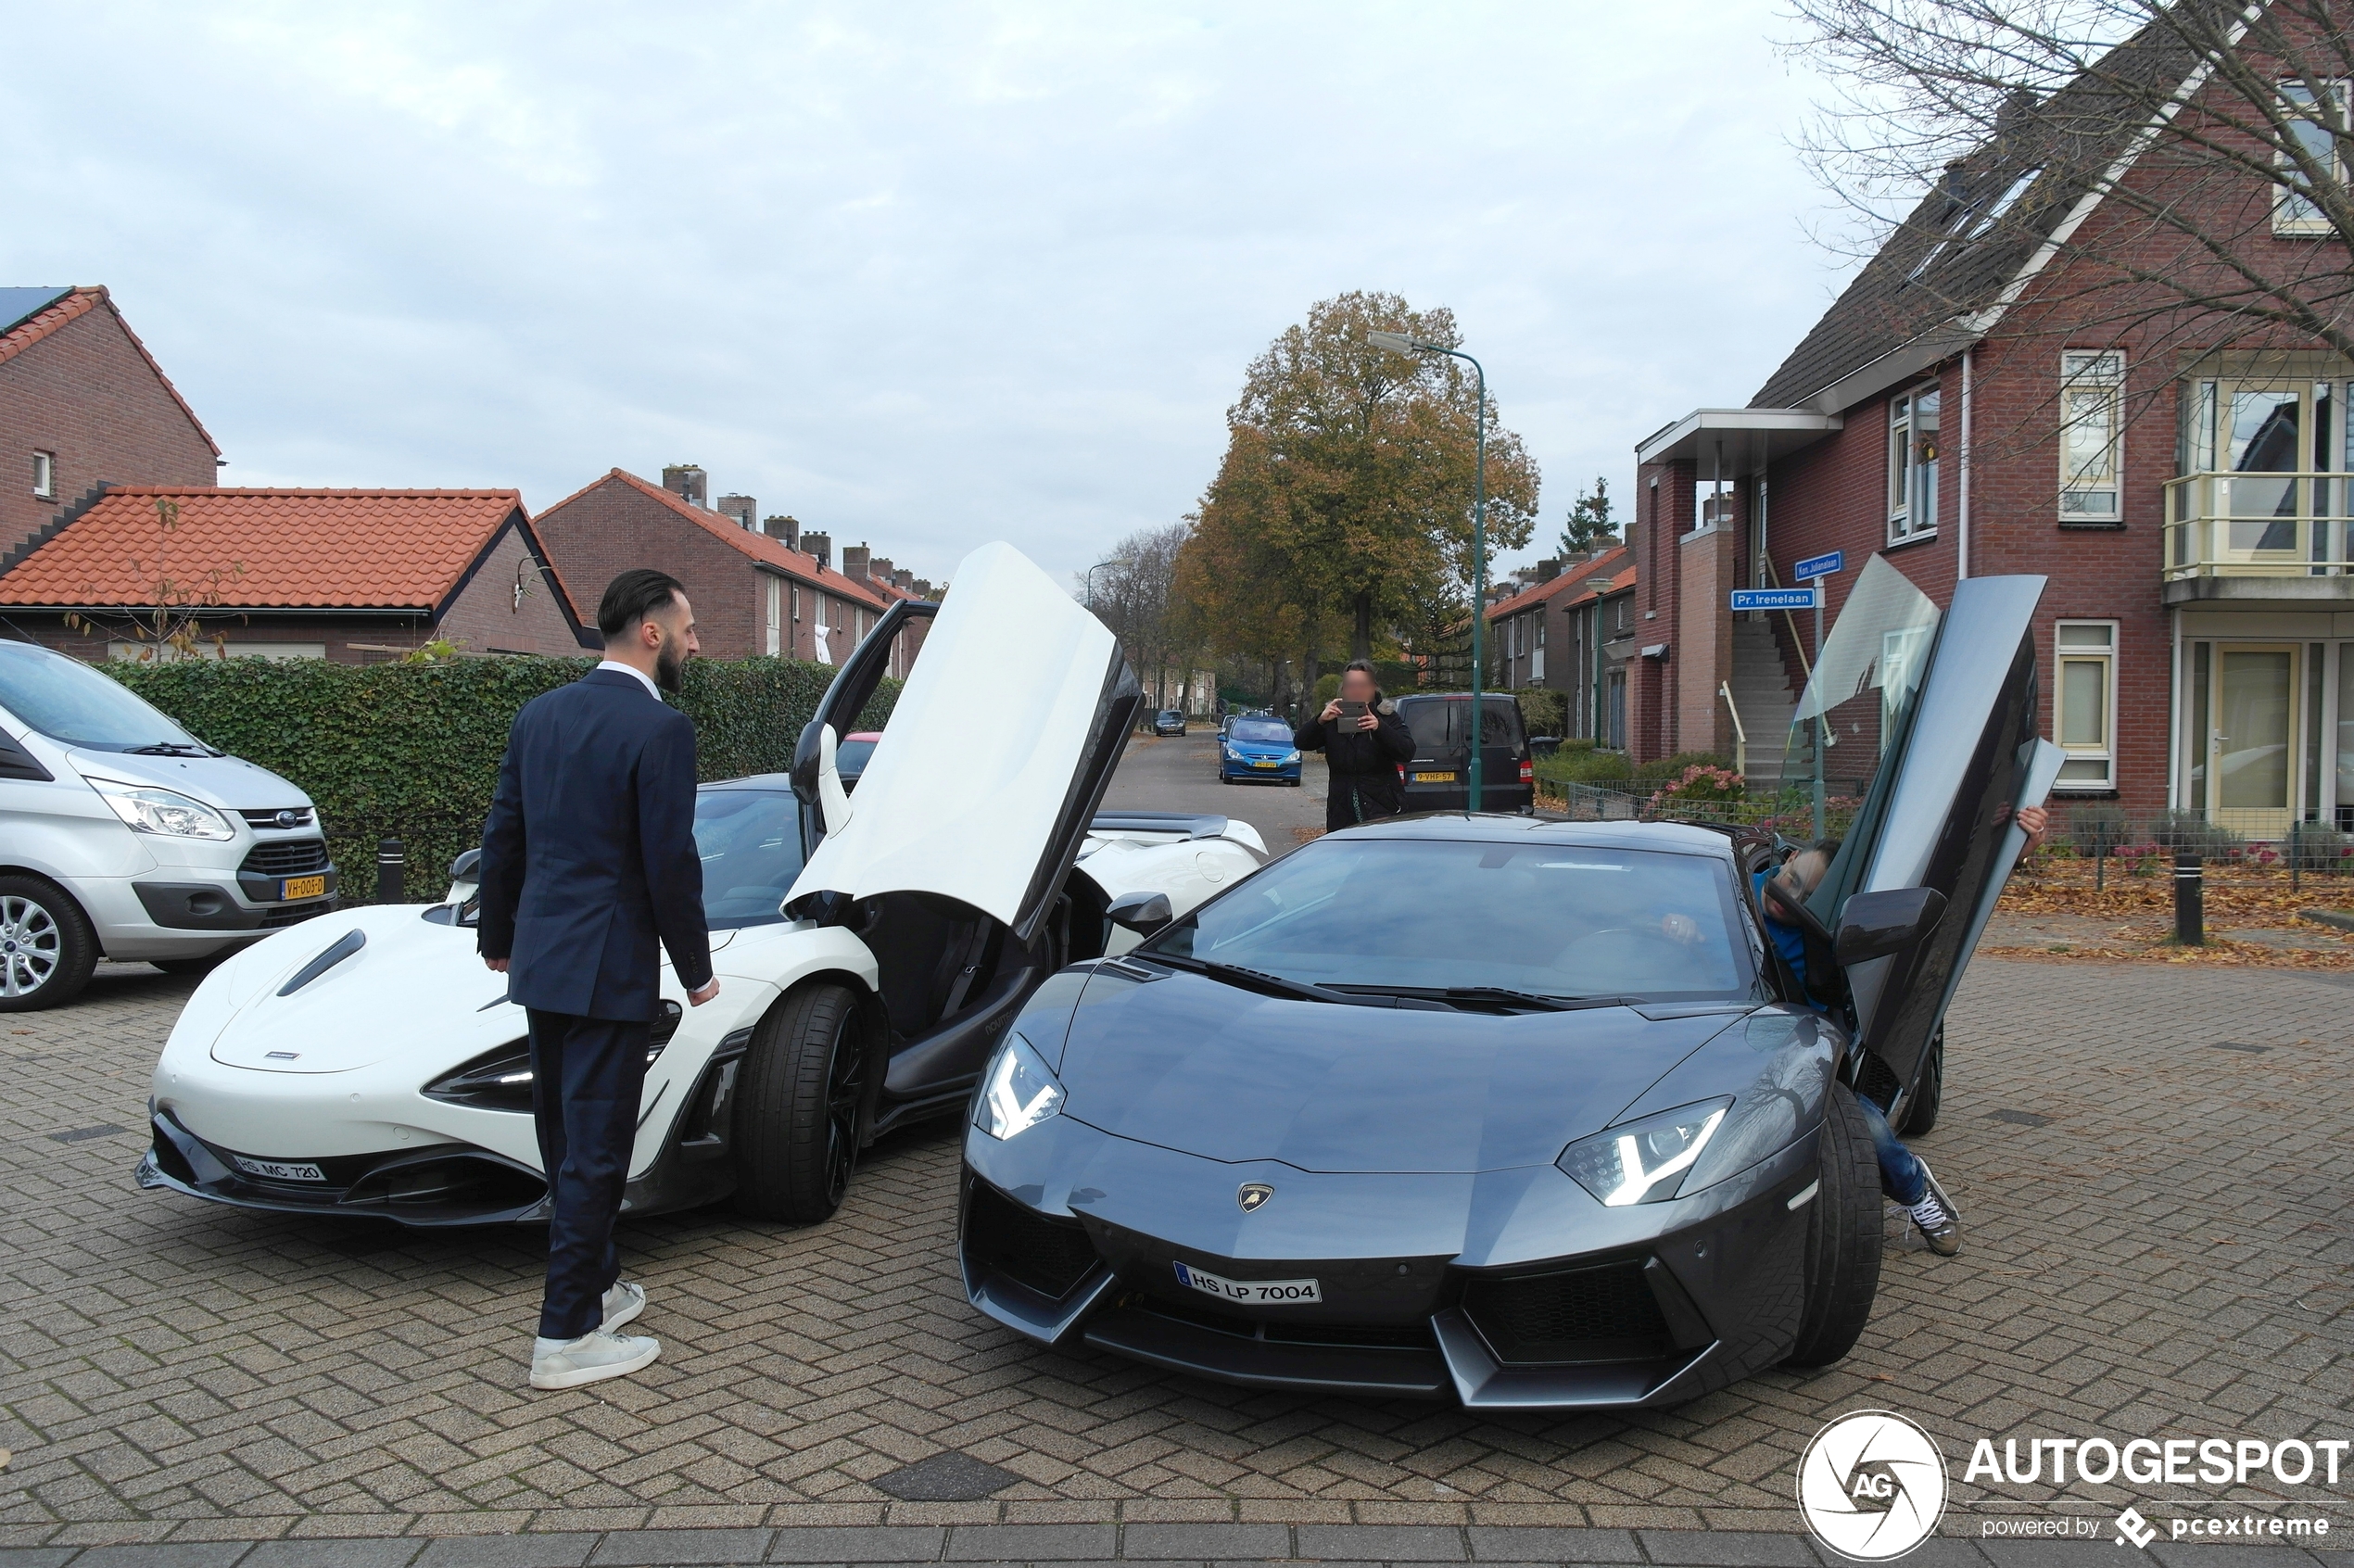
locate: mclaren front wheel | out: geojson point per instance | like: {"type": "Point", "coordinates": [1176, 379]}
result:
{"type": "Point", "coordinates": [803, 1088]}
{"type": "Point", "coordinates": [1842, 1237]}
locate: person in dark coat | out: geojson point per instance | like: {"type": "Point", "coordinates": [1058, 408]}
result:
{"type": "Point", "coordinates": [1362, 752]}
{"type": "Point", "coordinates": [589, 862]}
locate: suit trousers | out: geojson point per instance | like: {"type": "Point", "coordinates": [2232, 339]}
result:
{"type": "Point", "coordinates": [586, 1075]}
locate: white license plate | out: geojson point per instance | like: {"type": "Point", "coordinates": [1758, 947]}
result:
{"type": "Point", "coordinates": [279, 1169]}
{"type": "Point", "coordinates": [1257, 1292]}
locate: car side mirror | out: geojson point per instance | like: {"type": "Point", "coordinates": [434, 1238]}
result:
{"type": "Point", "coordinates": [1874, 925]}
{"type": "Point", "coordinates": [1141, 912]}
{"type": "Point", "coordinates": [462, 869]}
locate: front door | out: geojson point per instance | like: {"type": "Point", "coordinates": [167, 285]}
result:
{"type": "Point", "coordinates": [2252, 746]}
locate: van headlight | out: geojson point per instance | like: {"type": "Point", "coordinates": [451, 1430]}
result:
{"type": "Point", "coordinates": [1644, 1160]}
{"type": "Point", "coordinates": [1018, 1092]}
{"type": "Point", "coordinates": [147, 809]}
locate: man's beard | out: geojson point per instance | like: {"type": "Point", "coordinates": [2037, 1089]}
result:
{"type": "Point", "coordinates": [670, 666]}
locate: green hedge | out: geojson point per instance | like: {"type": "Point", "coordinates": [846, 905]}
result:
{"type": "Point", "coordinates": [1543, 711]}
{"type": "Point", "coordinates": [411, 752]}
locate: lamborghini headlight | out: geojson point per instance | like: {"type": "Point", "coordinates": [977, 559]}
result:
{"type": "Point", "coordinates": [146, 809]}
{"type": "Point", "coordinates": [1644, 1160]}
{"type": "Point", "coordinates": [1018, 1092]}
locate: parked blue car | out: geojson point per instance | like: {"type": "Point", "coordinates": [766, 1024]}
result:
{"type": "Point", "coordinates": [1258, 747]}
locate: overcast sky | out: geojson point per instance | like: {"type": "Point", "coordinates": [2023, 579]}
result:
{"type": "Point", "coordinates": [920, 275]}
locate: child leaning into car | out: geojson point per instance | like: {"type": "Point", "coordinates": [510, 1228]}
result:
{"type": "Point", "coordinates": [1904, 1176]}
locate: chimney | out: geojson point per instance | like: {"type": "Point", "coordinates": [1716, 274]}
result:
{"type": "Point", "coordinates": [854, 559]}
{"type": "Point", "coordinates": [880, 568]}
{"type": "Point", "coordinates": [688, 483]}
{"type": "Point", "coordinates": [922, 586]}
{"type": "Point", "coordinates": [788, 529]}
{"type": "Point", "coordinates": [1546, 570]}
{"type": "Point", "coordinates": [743, 509]}
{"type": "Point", "coordinates": [903, 580]}
{"type": "Point", "coordinates": [818, 545]}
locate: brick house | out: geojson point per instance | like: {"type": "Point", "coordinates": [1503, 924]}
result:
{"type": "Point", "coordinates": [356, 577]}
{"type": "Point", "coordinates": [753, 593]}
{"type": "Point", "coordinates": [1980, 401]}
{"type": "Point", "coordinates": [1544, 635]}
{"type": "Point", "coordinates": [83, 403]}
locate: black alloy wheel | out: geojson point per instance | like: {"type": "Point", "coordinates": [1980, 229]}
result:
{"type": "Point", "coordinates": [1929, 1096]}
{"type": "Point", "coordinates": [803, 1092]}
{"type": "Point", "coordinates": [47, 949]}
{"type": "Point", "coordinates": [1842, 1237]}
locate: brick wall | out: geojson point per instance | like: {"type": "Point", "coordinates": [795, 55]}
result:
{"type": "Point", "coordinates": [88, 394]}
{"type": "Point", "coordinates": [1703, 641]}
{"type": "Point", "coordinates": [508, 606]}
{"type": "Point", "coordinates": [612, 526]}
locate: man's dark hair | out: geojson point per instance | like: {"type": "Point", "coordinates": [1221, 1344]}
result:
{"type": "Point", "coordinates": [633, 596]}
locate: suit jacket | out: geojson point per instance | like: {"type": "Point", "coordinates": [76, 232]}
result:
{"type": "Point", "coordinates": [588, 858]}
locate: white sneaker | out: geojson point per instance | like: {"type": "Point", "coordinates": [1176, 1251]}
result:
{"type": "Point", "coordinates": [594, 1357]}
{"type": "Point", "coordinates": [622, 1304]}
{"type": "Point", "coordinates": [1934, 1217]}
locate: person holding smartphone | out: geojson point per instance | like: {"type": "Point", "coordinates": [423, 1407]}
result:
{"type": "Point", "coordinates": [1363, 741]}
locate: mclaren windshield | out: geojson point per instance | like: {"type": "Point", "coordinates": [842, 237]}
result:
{"type": "Point", "coordinates": [1409, 916]}
{"type": "Point", "coordinates": [750, 840]}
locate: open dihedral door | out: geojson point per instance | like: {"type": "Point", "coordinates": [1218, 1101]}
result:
{"type": "Point", "coordinates": [1952, 699]}
{"type": "Point", "coordinates": [971, 810]}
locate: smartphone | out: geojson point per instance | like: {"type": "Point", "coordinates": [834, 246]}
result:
{"type": "Point", "coordinates": [1349, 710]}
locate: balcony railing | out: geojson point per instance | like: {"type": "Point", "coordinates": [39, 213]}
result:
{"type": "Point", "coordinates": [2260, 525]}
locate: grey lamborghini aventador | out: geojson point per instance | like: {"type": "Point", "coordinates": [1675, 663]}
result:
{"type": "Point", "coordinates": [1522, 1112]}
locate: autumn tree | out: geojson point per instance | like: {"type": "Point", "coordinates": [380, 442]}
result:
{"type": "Point", "coordinates": [1341, 514]}
{"type": "Point", "coordinates": [1133, 594]}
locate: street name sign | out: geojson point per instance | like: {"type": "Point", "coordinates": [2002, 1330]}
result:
{"type": "Point", "coordinates": [1774, 599]}
{"type": "Point", "coordinates": [1821, 565]}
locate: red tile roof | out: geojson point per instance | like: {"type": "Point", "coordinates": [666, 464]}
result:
{"type": "Point", "coordinates": [759, 546]}
{"type": "Point", "coordinates": [375, 549]}
{"type": "Point", "coordinates": [72, 308]}
{"type": "Point", "coordinates": [1583, 572]}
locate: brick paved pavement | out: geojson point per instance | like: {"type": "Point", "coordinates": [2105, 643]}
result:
{"type": "Point", "coordinates": [2169, 1253]}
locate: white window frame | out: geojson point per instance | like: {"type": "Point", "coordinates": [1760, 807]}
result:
{"type": "Point", "coordinates": [1912, 479]}
{"type": "Point", "coordinates": [2064, 654]}
{"type": "Point", "coordinates": [44, 475]}
{"type": "Point", "coordinates": [2295, 216]}
{"type": "Point", "coordinates": [2091, 386]}
{"type": "Point", "coordinates": [776, 616]}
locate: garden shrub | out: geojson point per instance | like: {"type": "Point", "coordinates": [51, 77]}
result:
{"type": "Point", "coordinates": [1543, 711]}
{"type": "Point", "coordinates": [410, 751]}
{"type": "Point", "coordinates": [2097, 828]}
{"type": "Point", "coordinates": [1584, 766]}
{"type": "Point", "coordinates": [1666, 768]}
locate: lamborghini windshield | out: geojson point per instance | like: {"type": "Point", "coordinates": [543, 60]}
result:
{"type": "Point", "coordinates": [1413, 916]}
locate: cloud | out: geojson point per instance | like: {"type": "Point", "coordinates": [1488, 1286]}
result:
{"type": "Point", "coordinates": [925, 275]}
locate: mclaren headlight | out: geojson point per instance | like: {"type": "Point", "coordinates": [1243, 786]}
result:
{"type": "Point", "coordinates": [1644, 1160]}
{"type": "Point", "coordinates": [1018, 1092]}
{"type": "Point", "coordinates": [147, 809]}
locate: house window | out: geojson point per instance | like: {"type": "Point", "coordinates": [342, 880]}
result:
{"type": "Point", "coordinates": [2091, 436]}
{"type": "Point", "coordinates": [2316, 115]}
{"type": "Point", "coordinates": [776, 617]}
{"type": "Point", "coordinates": [1536, 651]}
{"type": "Point", "coordinates": [44, 475]}
{"type": "Point", "coordinates": [2084, 705]}
{"type": "Point", "coordinates": [796, 603]}
{"type": "Point", "coordinates": [1912, 463]}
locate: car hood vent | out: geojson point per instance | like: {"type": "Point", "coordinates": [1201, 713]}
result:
{"type": "Point", "coordinates": [1358, 1089]}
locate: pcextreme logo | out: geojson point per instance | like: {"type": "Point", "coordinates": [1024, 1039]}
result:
{"type": "Point", "coordinates": [1871, 1486]}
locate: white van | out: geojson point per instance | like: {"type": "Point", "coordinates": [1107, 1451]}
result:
{"type": "Point", "coordinates": [122, 836]}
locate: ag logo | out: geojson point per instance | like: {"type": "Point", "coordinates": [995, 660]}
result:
{"type": "Point", "coordinates": [1252, 1195]}
{"type": "Point", "coordinates": [1871, 1486]}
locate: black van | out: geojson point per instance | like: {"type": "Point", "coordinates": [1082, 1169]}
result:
{"type": "Point", "coordinates": [1439, 776]}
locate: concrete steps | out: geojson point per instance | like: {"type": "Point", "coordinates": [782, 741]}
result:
{"type": "Point", "coordinates": [1761, 693]}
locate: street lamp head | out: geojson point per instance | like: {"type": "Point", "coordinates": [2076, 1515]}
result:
{"type": "Point", "coordinates": [1396, 342]}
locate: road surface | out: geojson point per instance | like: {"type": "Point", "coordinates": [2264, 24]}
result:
{"type": "Point", "coordinates": [1180, 774]}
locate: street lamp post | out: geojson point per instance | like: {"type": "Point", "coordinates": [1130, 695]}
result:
{"type": "Point", "coordinates": [1091, 579]}
{"type": "Point", "coordinates": [1400, 343]}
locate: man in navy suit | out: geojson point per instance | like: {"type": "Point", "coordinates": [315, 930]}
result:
{"type": "Point", "coordinates": [589, 860]}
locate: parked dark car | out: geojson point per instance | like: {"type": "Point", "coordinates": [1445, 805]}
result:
{"type": "Point", "coordinates": [1169, 721]}
{"type": "Point", "coordinates": [1439, 776]}
{"type": "Point", "coordinates": [1523, 1113]}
